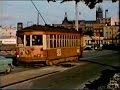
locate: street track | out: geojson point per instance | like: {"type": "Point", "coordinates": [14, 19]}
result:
{"type": "Point", "coordinates": [9, 80]}
{"type": "Point", "coordinates": [28, 79]}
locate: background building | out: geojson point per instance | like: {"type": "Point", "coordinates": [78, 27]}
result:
{"type": "Point", "coordinates": [8, 35]}
{"type": "Point", "coordinates": [102, 30]}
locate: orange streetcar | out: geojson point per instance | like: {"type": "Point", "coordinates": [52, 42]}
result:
{"type": "Point", "coordinates": [47, 44]}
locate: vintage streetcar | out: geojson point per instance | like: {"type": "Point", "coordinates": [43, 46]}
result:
{"type": "Point", "coordinates": [48, 45]}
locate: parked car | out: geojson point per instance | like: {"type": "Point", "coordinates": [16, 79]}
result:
{"type": "Point", "coordinates": [5, 64]}
{"type": "Point", "coordinates": [87, 48]}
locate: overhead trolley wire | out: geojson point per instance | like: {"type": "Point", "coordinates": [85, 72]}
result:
{"type": "Point", "coordinates": [38, 11]}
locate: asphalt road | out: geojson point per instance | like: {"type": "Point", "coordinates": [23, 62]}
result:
{"type": "Point", "coordinates": [35, 83]}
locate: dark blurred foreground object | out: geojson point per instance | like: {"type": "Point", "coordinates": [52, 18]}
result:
{"type": "Point", "coordinates": [90, 3]}
{"type": "Point", "coordinates": [102, 82]}
{"type": "Point", "coordinates": [111, 47]}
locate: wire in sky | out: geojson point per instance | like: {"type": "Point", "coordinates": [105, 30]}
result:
{"type": "Point", "coordinates": [38, 12]}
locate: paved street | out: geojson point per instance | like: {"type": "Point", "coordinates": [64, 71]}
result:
{"type": "Point", "coordinates": [92, 54]}
{"type": "Point", "coordinates": [36, 72]}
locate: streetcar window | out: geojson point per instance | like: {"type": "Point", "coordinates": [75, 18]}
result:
{"type": "Point", "coordinates": [20, 40]}
{"type": "Point", "coordinates": [71, 41]}
{"type": "Point", "coordinates": [63, 40]}
{"type": "Point", "coordinates": [37, 40]}
{"type": "Point", "coordinates": [48, 41]}
{"type": "Point", "coordinates": [58, 41]}
{"type": "Point", "coordinates": [76, 41]}
{"type": "Point", "coordinates": [51, 36]}
{"type": "Point", "coordinates": [51, 41]}
{"type": "Point", "coordinates": [55, 41]}
{"type": "Point", "coordinates": [27, 40]}
{"type": "Point", "coordinates": [67, 41]}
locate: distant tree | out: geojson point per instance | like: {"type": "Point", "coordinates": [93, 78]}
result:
{"type": "Point", "coordinates": [90, 3]}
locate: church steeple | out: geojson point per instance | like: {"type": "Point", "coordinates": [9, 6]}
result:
{"type": "Point", "coordinates": [99, 13]}
{"type": "Point", "coordinates": [65, 21]}
{"type": "Point", "coordinates": [66, 14]}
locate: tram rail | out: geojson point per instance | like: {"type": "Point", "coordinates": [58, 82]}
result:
{"type": "Point", "coordinates": [23, 76]}
{"type": "Point", "coordinates": [24, 80]}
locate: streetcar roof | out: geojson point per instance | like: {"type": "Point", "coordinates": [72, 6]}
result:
{"type": "Point", "coordinates": [47, 28]}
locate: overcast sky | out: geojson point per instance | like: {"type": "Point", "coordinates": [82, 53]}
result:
{"type": "Point", "coordinates": [13, 11]}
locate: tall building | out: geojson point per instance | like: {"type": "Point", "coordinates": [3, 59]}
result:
{"type": "Point", "coordinates": [99, 13]}
{"type": "Point", "coordinates": [65, 21]}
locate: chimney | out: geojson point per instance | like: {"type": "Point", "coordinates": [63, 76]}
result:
{"type": "Point", "coordinates": [106, 12]}
{"type": "Point", "coordinates": [19, 26]}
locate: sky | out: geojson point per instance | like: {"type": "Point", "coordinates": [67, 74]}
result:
{"type": "Point", "coordinates": [12, 12]}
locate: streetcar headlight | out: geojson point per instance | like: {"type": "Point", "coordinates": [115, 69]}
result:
{"type": "Point", "coordinates": [17, 55]}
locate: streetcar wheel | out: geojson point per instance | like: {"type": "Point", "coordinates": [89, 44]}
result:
{"type": "Point", "coordinates": [47, 62]}
{"type": "Point", "coordinates": [50, 63]}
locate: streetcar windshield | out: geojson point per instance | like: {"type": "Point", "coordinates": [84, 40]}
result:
{"type": "Point", "coordinates": [37, 40]}
{"type": "Point", "coordinates": [27, 40]}
{"type": "Point", "coordinates": [20, 40]}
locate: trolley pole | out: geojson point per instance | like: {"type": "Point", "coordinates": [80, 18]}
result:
{"type": "Point", "coordinates": [38, 18]}
{"type": "Point", "coordinates": [77, 28]}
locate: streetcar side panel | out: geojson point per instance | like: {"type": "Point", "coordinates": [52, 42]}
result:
{"type": "Point", "coordinates": [62, 45]}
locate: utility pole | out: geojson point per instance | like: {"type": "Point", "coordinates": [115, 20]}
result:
{"type": "Point", "coordinates": [112, 33]}
{"type": "Point", "coordinates": [77, 28]}
{"type": "Point", "coordinates": [76, 14]}
{"type": "Point", "coordinates": [99, 38]}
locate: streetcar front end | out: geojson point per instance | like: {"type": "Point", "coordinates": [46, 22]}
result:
{"type": "Point", "coordinates": [30, 48]}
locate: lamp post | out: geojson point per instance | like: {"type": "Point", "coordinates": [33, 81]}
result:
{"type": "Point", "coordinates": [99, 39]}
{"type": "Point", "coordinates": [112, 34]}
{"type": "Point", "coordinates": [0, 45]}
{"type": "Point", "coordinates": [93, 42]}
{"type": "Point", "coordinates": [119, 37]}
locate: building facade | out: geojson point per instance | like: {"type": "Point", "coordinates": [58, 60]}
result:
{"type": "Point", "coordinates": [8, 35]}
{"type": "Point", "coordinates": [104, 29]}
{"type": "Point", "coordinates": [111, 34]}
